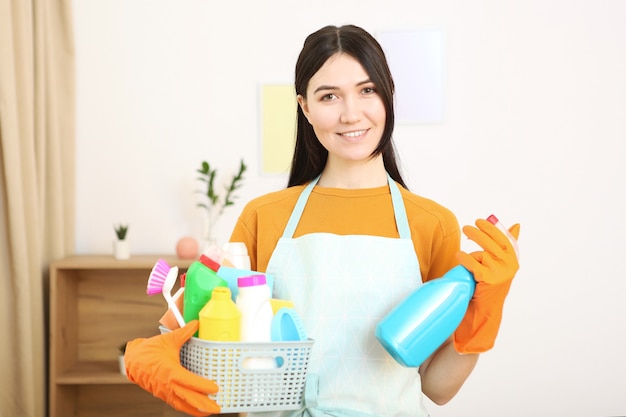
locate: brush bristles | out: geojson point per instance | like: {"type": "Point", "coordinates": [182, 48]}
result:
{"type": "Point", "coordinates": [157, 277]}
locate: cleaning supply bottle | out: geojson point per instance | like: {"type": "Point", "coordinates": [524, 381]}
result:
{"type": "Point", "coordinates": [494, 220]}
{"type": "Point", "coordinates": [237, 264]}
{"type": "Point", "coordinates": [231, 275]}
{"type": "Point", "coordinates": [237, 254]}
{"type": "Point", "coordinates": [253, 301]}
{"type": "Point", "coordinates": [200, 280]}
{"type": "Point", "coordinates": [417, 326]}
{"type": "Point", "coordinates": [220, 319]}
{"type": "Point", "coordinates": [233, 261]}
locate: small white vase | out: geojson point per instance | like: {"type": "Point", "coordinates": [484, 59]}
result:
{"type": "Point", "coordinates": [121, 249]}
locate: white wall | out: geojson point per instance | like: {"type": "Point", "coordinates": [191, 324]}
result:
{"type": "Point", "coordinates": [535, 132]}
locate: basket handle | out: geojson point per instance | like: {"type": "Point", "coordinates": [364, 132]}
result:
{"type": "Point", "coordinates": [262, 362]}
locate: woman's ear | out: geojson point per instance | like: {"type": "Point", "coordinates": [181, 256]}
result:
{"type": "Point", "coordinates": [303, 105]}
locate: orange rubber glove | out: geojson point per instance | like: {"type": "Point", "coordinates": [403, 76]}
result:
{"type": "Point", "coordinates": [154, 365]}
{"type": "Point", "coordinates": [494, 269]}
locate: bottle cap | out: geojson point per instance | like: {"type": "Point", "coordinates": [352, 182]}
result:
{"type": "Point", "coordinates": [251, 280]}
{"type": "Point", "coordinates": [209, 263]}
{"type": "Point", "coordinates": [492, 219]}
{"type": "Point", "coordinates": [220, 293]}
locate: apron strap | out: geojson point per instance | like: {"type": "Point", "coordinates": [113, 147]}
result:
{"type": "Point", "coordinates": [298, 209]}
{"type": "Point", "coordinates": [402, 223]}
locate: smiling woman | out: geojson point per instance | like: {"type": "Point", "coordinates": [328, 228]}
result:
{"type": "Point", "coordinates": [344, 216]}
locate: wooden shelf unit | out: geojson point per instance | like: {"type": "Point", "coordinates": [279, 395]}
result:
{"type": "Point", "coordinates": [97, 303]}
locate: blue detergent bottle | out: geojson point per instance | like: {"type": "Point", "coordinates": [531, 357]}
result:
{"type": "Point", "coordinates": [417, 326]}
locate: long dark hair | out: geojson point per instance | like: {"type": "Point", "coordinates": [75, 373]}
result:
{"type": "Point", "coordinates": [309, 157]}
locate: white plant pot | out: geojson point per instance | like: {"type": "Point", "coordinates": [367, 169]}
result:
{"type": "Point", "coordinates": [121, 249]}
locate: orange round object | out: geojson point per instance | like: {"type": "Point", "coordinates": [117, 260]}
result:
{"type": "Point", "coordinates": [187, 248]}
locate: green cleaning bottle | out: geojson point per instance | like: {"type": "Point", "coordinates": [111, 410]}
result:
{"type": "Point", "coordinates": [200, 280]}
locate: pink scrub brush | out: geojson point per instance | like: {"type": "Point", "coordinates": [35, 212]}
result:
{"type": "Point", "coordinates": [162, 279]}
{"type": "Point", "coordinates": [157, 277]}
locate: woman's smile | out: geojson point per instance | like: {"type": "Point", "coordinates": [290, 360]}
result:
{"type": "Point", "coordinates": [353, 135]}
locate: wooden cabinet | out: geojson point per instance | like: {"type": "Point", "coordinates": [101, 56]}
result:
{"type": "Point", "coordinates": [96, 304]}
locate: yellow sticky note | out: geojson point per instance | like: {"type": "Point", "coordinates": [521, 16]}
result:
{"type": "Point", "coordinates": [278, 127]}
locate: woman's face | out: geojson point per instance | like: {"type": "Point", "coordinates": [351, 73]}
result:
{"type": "Point", "coordinates": [344, 109]}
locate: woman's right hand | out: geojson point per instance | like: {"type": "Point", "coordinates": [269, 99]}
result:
{"type": "Point", "coordinates": [497, 263]}
{"type": "Point", "coordinates": [494, 269]}
{"type": "Point", "coordinates": [154, 365]}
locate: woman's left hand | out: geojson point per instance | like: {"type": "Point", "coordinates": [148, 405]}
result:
{"type": "Point", "coordinates": [154, 364]}
{"type": "Point", "coordinates": [497, 263]}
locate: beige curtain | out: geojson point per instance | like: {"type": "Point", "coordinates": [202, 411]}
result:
{"type": "Point", "coordinates": [36, 187]}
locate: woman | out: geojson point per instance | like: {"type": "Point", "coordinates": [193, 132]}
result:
{"type": "Point", "coordinates": [346, 241]}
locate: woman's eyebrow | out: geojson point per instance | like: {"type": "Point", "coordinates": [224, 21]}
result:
{"type": "Point", "coordinates": [324, 87]}
{"type": "Point", "coordinates": [330, 87]}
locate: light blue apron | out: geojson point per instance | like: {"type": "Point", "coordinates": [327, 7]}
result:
{"type": "Point", "coordinates": [342, 286]}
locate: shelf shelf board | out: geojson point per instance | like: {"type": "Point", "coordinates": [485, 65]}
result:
{"type": "Point", "coordinates": [99, 373]}
{"type": "Point", "coordinates": [108, 262]}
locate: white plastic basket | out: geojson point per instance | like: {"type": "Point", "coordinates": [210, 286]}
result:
{"type": "Point", "coordinates": [243, 389]}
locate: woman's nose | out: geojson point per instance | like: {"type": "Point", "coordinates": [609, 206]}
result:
{"type": "Point", "coordinates": [351, 112]}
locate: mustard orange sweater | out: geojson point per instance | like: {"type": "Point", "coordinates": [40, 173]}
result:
{"type": "Point", "coordinates": [434, 229]}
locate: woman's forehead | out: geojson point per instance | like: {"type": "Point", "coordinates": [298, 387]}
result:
{"type": "Point", "coordinates": [339, 71]}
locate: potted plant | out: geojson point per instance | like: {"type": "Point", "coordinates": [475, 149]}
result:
{"type": "Point", "coordinates": [121, 247]}
{"type": "Point", "coordinates": [213, 203]}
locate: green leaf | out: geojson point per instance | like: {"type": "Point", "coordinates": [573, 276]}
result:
{"type": "Point", "coordinates": [208, 177]}
{"type": "Point", "coordinates": [121, 231]}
